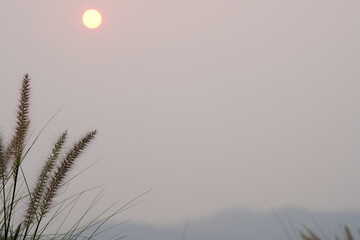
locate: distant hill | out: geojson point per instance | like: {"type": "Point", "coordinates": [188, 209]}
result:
{"type": "Point", "coordinates": [245, 225]}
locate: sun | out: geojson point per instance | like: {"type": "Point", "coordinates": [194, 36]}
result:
{"type": "Point", "coordinates": [91, 18]}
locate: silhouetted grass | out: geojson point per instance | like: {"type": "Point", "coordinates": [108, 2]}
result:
{"type": "Point", "coordinates": [41, 208]}
{"type": "Point", "coordinates": [308, 234]}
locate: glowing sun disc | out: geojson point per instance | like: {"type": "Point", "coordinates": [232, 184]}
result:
{"type": "Point", "coordinates": [91, 18]}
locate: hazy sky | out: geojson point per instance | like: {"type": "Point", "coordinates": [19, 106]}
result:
{"type": "Point", "coordinates": [214, 104]}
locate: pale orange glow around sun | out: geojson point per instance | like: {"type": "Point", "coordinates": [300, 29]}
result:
{"type": "Point", "coordinates": [91, 18]}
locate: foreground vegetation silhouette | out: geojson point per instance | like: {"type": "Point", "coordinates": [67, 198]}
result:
{"type": "Point", "coordinates": [309, 234]}
{"type": "Point", "coordinates": [29, 211]}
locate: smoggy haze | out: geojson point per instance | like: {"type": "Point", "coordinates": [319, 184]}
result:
{"type": "Point", "coordinates": [215, 104]}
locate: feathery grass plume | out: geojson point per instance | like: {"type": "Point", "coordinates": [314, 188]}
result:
{"type": "Point", "coordinates": [14, 150]}
{"type": "Point", "coordinates": [17, 145]}
{"type": "Point", "coordinates": [305, 237]}
{"type": "Point", "coordinates": [2, 187]}
{"type": "Point", "coordinates": [60, 173]}
{"type": "Point", "coordinates": [309, 235]}
{"type": "Point", "coordinates": [42, 181]}
{"type": "Point", "coordinates": [2, 160]}
{"type": "Point", "coordinates": [348, 233]}
{"type": "Point", "coordinates": [23, 121]}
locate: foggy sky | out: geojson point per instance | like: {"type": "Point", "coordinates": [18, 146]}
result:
{"type": "Point", "coordinates": [214, 104]}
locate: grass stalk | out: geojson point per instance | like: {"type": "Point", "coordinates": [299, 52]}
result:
{"type": "Point", "coordinates": [53, 175]}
